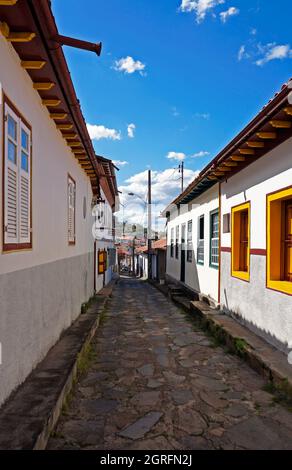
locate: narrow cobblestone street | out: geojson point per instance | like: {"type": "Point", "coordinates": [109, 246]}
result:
{"type": "Point", "coordinates": [158, 382]}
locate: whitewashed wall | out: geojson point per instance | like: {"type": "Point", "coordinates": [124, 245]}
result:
{"type": "Point", "coordinates": [201, 278]}
{"type": "Point", "coordinates": [41, 290]}
{"type": "Point", "coordinates": [267, 311]}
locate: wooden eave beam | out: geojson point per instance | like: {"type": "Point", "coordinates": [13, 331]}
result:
{"type": "Point", "coordinates": [229, 163]}
{"type": "Point", "coordinates": [58, 116]}
{"type": "Point", "coordinates": [8, 3]}
{"type": "Point", "coordinates": [70, 136]}
{"type": "Point", "coordinates": [288, 110]}
{"type": "Point", "coordinates": [51, 102]}
{"type": "Point", "coordinates": [75, 144]}
{"type": "Point", "coordinates": [238, 158]}
{"type": "Point", "coordinates": [256, 145]}
{"type": "Point", "coordinates": [246, 151]}
{"type": "Point", "coordinates": [281, 124]}
{"type": "Point", "coordinates": [11, 36]}
{"type": "Point", "coordinates": [224, 168]}
{"type": "Point", "coordinates": [64, 127]}
{"type": "Point", "coordinates": [267, 135]}
{"type": "Point", "coordinates": [43, 86]}
{"type": "Point", "coordinates": [33, 64]}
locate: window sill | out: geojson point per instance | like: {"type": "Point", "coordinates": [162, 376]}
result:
{"type": "Point", "coordinates": [200, 263]}
{"type": "Point", "coordinates": [243, 275]}
{"type": "Point", "coordinates": [214, 266]}
{"type": "Point", "coordinates": [281, 286]}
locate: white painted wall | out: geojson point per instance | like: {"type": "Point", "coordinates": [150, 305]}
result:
{"type": "Point", "coordinates": [201, 278]}
{"type": "Point", "coordinates": [41, 290]}
{"type": "Point", "coordinates": [52, 160]}
{"type": "Point", "coordinates": [268, 311]}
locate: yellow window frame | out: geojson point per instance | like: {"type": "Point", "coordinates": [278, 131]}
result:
{"type": "Point", "coordinates": [279, 196]}
{"type": "Point", "coordinates": [243, 275]}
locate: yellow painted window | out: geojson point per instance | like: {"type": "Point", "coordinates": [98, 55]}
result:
{"type": "Point", "coordinates": [240, 253]}
{"type": "Point", "coordinates": [279, 241]}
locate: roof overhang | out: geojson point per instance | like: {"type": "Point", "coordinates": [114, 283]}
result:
{"type": "Point", "coordinates": [33, 25]}
{"type": "Point", "coordinates": [271, 127]}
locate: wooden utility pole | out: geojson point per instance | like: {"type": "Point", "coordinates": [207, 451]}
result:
{"type": "Point", "coordinates": [149, 225]}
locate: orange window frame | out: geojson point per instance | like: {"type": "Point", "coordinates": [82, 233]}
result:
{"type": "Point", "coordinates": [279, 241]}
{"type": "Point", "coordinates": [240, 241]}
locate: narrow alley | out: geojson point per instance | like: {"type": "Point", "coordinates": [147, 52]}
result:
{"type": "Point", "coordinates": [156, 381]}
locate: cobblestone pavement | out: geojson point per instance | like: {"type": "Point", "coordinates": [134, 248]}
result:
{"type": "Point", "coordinates": [158, 382]}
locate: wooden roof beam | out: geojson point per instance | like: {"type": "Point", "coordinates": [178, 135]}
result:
{"type": "Point", "coordinates": [238, 158]}
{"type": "Point", "coordinates": [75, 144]}
{"type": "Point", "coordinates": [267, 135]}
{"type": "Point", "coordinates": [247, 151]}
{"type": "Point", "coordinates": [8, 3]}
{"type": "Point", "coordinates": [70, 136]}
{"type": "Point", "coordinates": [33, 64]}
{"type": "Point", "coordinates": [51, 102]}
{"type": "Point", "coordinates": [15, 36]}
{"type": "Point", "coordinates": [255, 144]}
{"type": "Point", "coordinates": [58, 116]}
{"type": "Point", "coordinates": [231, 164]}
{"type": "Point", "coordinates": [281, 124]}
{"type": "Point", "coordinates": [65, 127]}
{"type": "Point", "coordinates": [43, 86]}
{"type": "Point", "coordinates": [288, 110]}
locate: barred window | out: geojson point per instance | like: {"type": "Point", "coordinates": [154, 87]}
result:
{"type": "Point", "coordinates": [201, 238]}
{"type": "Point", "coordinates": [214, 239]}
{"type": "Point", "coordinates": [190, 242]}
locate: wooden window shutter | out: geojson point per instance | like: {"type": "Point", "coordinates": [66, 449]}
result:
{"type": "Point", "coordinates": [71, 210]}
{"type": "Point", "coordinates": [24, 186]}
{"type": "Point", "coordinates": [11, 177]}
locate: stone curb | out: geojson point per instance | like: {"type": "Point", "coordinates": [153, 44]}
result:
{"type": "Point", "coordinates": [268, 361]}
{"type": "Point", "coordinates": [31, 413]}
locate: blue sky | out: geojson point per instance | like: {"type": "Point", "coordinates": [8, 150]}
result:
{"type": "Point", "coordinates": [204, 68]}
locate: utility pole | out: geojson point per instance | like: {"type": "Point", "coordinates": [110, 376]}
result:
{"type": "Point", "coordinates": [181, 168]}
{"type": "Point", "coordinates": [149, 225]}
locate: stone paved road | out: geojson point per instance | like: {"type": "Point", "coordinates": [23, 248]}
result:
{"type": "Point", "coordinates": [158, 382]}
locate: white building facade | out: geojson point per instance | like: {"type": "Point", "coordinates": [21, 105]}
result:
{"type": "Point", "coordinates": [256, 261]}
{"type": "Point", "coordinates": [193, 243]}
{"type": "Point", "coordinates": [49, 181]}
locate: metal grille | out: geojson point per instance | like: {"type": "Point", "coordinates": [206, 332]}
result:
{"type": "Point", "coordinates": [200, 252]}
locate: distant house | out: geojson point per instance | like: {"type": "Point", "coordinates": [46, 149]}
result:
{"type": "Point", "coordinates": [229, 234]}
{"type": "Point", "coordinates": [50, 262]}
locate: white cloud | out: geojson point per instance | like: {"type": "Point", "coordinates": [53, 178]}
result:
{"type": "Point", "coordinates": [200, 154]}
{"type": "Point", "coordinates": [98, 132]}
{"type": "Point", "coordinates": [131, 130]}
{"type": "Point", "coordinates": [179, 156]}
{"type": "Point", "coordinates": [242, 54]}
{"type": "Point", "coordinates": [225, 15]}
{"type": "Point", "coordinates": [253, 32]}
{"type": "Point", "coordinates": [273, 51]}
{"type": "Point", "coordinates": [200, 7]}
{"type": "Point", "coordinates": [166, 185]}
{"type": "Point", "coordinates": [120, 162]}
{"type": "Point", "coordinates": [129, 65]}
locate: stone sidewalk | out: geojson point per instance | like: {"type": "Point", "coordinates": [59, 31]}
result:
{"type": "Point", "coordinates": [156, 381]}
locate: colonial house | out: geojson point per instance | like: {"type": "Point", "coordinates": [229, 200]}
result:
{"type": "Point", "coordinates": [249, 184]}
{"type": "Point", "coordinates": [193, 238]}
{"type": "Point", "coordinates": [51, 180]}
{"type": "Point", "coordinates": [158, 260]}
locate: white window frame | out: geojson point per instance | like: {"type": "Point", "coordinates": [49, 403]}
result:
{"type": "Point", "coordinates": [18, 240]}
